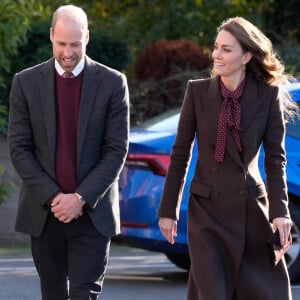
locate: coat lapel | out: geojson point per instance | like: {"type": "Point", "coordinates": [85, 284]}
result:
{"type": "Point", "coordinates": [90, 86]}
{"type": "Point", "coordinates": [47, 96]}
{"type": "Point", "coordinates": [249, 104]}
{"type": "Point", "coordinates": [212, 103]}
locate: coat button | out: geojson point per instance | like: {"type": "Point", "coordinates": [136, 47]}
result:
{"type": "Point", "coordinates": [242, 192]}
{"type": "Point", "coordinates": [215, 169]}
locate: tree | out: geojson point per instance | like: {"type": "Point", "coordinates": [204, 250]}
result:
{"type": "Point", "coordinates": [121, 29]}
{"type": "Point", "coordinates": [15, 19]}
{"type": "Point", "coordinates": [160, 75]}
{"type": "Point", "coordinates": [14, 23]}
{"type": "Point", "coordinates": [282, 20]}
{"type": "Point", "coordinates": [282, 26]}
{"type": "Point", "coordinates": [141, 22]}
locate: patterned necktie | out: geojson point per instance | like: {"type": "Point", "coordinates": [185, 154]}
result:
{"type": "Point", "coordinates": [229, 117]}
{"type": "Point", "coordinates": [68, 74]}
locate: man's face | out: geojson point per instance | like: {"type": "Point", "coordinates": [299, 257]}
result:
{"type": "Point", "coordinates": [69, 42]}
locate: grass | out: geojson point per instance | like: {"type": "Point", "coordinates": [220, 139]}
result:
{"type": "Point", "coordinates": [13, 248]}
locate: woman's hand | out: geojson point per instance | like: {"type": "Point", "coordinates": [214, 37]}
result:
{"type": "Point", "coordinates": [168, 228]}
{"type": "Point", "coordinates": [284, 226]}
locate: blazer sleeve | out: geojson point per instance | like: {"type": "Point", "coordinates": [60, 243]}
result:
{"type": "Point", "coordinates": [23, 147]}
{"type": "Point", "coordinates": [180, 157]}
{"type": "Point", "coordinates": [275, 160]}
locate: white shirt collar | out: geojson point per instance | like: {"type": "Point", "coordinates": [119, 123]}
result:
{"type": "Point", "coordinates": [76, 71]}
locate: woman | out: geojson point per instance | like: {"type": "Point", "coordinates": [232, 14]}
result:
{"type": "Point", "coordinates": [231, 214]}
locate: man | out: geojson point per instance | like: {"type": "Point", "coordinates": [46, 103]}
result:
{"type": "Point", "coordinates": [68, 139]}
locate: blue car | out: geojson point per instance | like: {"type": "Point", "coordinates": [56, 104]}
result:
{"type": "Point", "coordinates": [142, 180]}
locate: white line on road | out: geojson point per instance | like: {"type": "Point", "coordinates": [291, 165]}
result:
{"type": "Point", "coordinates": [114, 263]}
{"type": "Point", "coordinates": [16, 260]}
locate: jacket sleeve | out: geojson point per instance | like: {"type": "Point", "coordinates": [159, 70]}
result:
{"type": "Point", "coordinates": [23, 148]}
{"type": "Point", "coordinates": [275, 160]}
{"type": "Point", "coordinates": [180, 157]}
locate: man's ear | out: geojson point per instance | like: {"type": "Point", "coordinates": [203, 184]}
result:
{"type": "Point", "coordinates": [51, 34]}
{"type": "Point", "coordinates": [87, 37]}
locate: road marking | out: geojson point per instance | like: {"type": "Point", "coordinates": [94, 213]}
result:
{"type": "Point", "coordinates": [134, 277]}
{"type": "Point", "coordinates": [129, 272]}
{"type": "Point", "coordinates": [11, 260]}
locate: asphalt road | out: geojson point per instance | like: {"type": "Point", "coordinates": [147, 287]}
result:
{"type": "Point", "coordinates": [132, 274]}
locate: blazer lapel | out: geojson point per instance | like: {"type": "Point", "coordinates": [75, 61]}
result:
{"type": "Point", "coordinates": [90, 86]}
{"type": "Point", "coordinates": [212, 103]}
{"type": "Point", "coordinates": [47, 96]}
{"type": "Point", "coordinates": [213, 106]}
{"type": "Point", "coordinates": [249, 104]}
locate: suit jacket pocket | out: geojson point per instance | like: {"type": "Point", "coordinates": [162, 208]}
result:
{"type": "Point", "coordinates": [201, 189]}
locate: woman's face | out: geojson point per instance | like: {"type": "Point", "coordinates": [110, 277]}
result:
{"type": "Point", "coordinates": [228, 56]}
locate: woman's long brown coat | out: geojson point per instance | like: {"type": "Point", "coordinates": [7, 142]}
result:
{"type": "Point", "coordinates": [229, 210]}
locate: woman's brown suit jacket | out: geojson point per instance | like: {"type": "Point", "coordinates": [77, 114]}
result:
{"type": "Point", "coordinates": [230, 208]}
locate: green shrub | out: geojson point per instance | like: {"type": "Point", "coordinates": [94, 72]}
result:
{"type": "Point", "coordinates": [108, 50]}
{"type": "Point", "coordinates": [161, 72]}
{"type": "Point", "coordinates": [290, 53]}
{"type": "Point", "coordinates": [6, 185]}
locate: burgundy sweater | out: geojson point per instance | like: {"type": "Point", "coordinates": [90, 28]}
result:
{"type": "Point", "coordinates": [67, 95]}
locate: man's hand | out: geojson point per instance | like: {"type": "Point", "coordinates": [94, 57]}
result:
{"type": "Point", "coordinates": [66, 207]}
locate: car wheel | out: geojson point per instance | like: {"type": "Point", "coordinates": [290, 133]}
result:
{"type": "Point", "coordinates": [180, 260]}
{"type": "Point", "coordinates": [292, 256]}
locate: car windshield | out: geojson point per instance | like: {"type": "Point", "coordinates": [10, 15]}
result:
{"type": "Point", "coordinates": [167, 121]}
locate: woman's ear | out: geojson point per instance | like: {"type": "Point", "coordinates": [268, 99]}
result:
{"type": "Point", "coordinates": [247, 57]}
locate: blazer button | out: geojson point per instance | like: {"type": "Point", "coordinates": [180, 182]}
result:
{"type": "Point", "coordinates": [242, 192]}
{"type": "Point", "coordinates": [215, 169]}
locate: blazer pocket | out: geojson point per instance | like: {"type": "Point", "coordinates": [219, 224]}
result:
{"type": "Point", "coordinates": [200, 189]}
{"type": "Point", "coordinates": [258, 191]}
